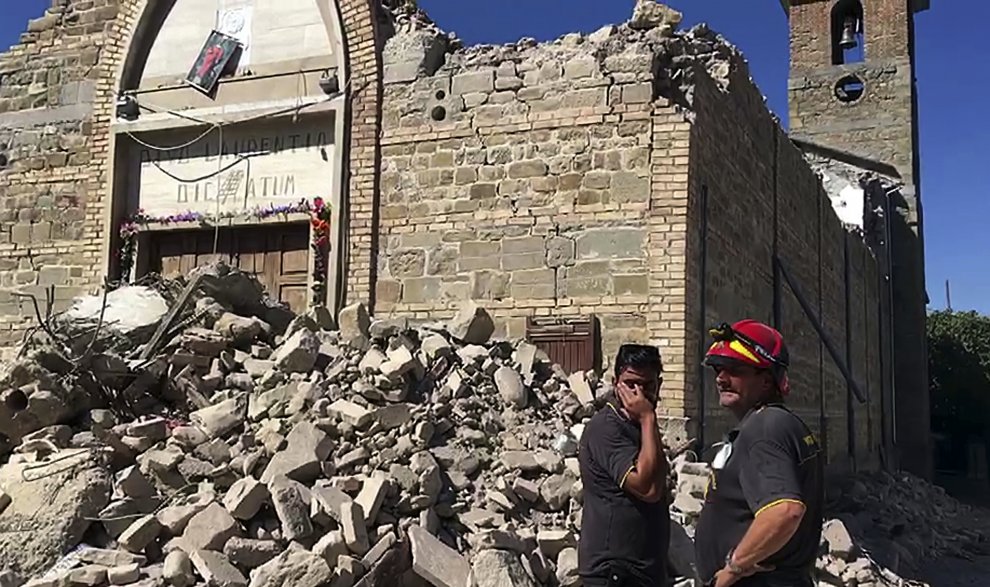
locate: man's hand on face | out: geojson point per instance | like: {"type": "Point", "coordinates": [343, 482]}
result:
{"type": "Point", "coordinates": [637, 405]}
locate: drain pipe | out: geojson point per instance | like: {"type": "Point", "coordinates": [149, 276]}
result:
{"type": "Point", "coordinates": [702, 328]}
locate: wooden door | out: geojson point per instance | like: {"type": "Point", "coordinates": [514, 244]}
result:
{"type": "Point", "coordinates": [277, 255]}
{"type": "Point", "coordinates": [571, 343]}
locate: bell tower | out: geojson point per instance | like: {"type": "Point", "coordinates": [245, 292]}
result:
{"type": "Point", "coordinates": [853, 105]}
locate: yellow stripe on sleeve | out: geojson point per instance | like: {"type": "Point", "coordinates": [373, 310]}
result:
{"type": "Point", "coordinates": [623, 481]}
{"type": "Point", "coordinates": [776, 503]}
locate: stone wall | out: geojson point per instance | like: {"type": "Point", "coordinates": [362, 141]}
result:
{"type": "Point", "coordinates": [531, 194]}
{"type": "Point", "coordinates": [758, 198]}
{"type": "Point", "coordinates": [50, 159]}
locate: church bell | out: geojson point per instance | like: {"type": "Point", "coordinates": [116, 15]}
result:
{"type": "Point", "coordinates": [848, 40]}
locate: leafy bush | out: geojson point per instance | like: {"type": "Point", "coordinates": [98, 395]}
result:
{"type": "Point", "coordinates": [959, 373]}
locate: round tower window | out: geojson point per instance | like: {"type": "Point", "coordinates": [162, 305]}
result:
{"type": "Point", "coordinates": [849, 88]}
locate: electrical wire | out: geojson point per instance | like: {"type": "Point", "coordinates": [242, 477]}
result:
{"type": "Point", "coordinates": [173, 147]}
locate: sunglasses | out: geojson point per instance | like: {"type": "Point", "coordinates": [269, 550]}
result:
{"type": "Point", "coordinates": [725, 333]}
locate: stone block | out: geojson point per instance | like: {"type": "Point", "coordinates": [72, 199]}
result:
{"type": "Point", "coordinates": [407, 263]}
{"type": "Point", "coordinates": [581, 67]}
{"type": "Point", "coordinates": [472, 324]}
{"type": "Point", "coordinates": [480, 249]}
{"type": "Point", "coordinates": [500, 568]}
{"type": "Point", "coordinates": [476, 81]}
{"type": "Point", "coordinates": [328, 500]}
{"type": "Point", "coordinates": [307, 446]}
{"type": "Point", "coordinates": [291, 500]}
{"type": "Point", "coordinates": [298, 353]}
{"type": "Point", "coordinates": [526, 169]}
{"type": "Point", "coordinates": [421, 290]}
{"type": "Point", "coordinates": [628, 186]}
{"type": "Point", "coordinates": [489, 285]}
{"type": "Point", "coordinates": [140, 534]}
{"type": "Point", "coordinates": [216, 570]}
{"type": "Point", "coordinates": [437, 563]}
{"type": "Point", "coordinates": [630, 285]}
{"type": "Point", "coordinates": [53, 275]}
{"type": "Point", "coordinates": [353, 525]}
{"type": "Point", "coordinates": [443, 261]}
{"type": "Point", "coordinates": [331, 547]}
{"type": "Point", "coordinates": [371, 496]}
{"type": "Point", "coordinates": [637, 93]}
{"type": "Point", "coordinates": [210, 529]}
{"type": "Point", "coordinates": [124, 574]}
{"type": "Point", "coordinates": [560, 251]}
{"type": "Point", "coordinates": [177, 570]}
{"type": "Point", "coordinates": [354, 322]}
{"type": "Point", "coordinates": [522, 261]}
{"type": "Point", "coordinates": [650, 14]}
{"type": "Point", "coordinates": [388, 291]}
{"type": "Point", "coordinates": [510, 387]}
{"type": "Point", "coordinates": [587, 98]}
{"type": "Point", "coordinates": [483, 191]}
{"type": "Point", "coordinates": [20, 234]}
{"type": "Point", "coordinates": [580, 388]}
{"type": "Point", "coordinates": [529, 244]}
{"type": "Point", "coordinates": [293, 568]}
{"type": "Point", "coordinates": [249, 553]}
{"type": "Point", "coordinates": [219, 419]}
{"type": "Point", "coordinates": [612, 243]}
{"type": "Point", "coordinates": [375, 554]}
{"type": "Point", "coordinates": [353, 414]}
{"type": "Point", "coordinates": [245, 498]}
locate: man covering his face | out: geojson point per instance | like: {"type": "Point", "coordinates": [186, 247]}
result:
{"type": "Point", "coordinates": [626, 525]}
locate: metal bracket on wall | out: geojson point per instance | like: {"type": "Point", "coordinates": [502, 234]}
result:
{"type": "Point", "coordinates": [816, 323]}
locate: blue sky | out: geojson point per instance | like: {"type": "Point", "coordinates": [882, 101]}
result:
{"type": "Point", "coordinates": [953, 77]}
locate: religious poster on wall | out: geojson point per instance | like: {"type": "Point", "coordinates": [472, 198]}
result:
{"type": "Point", "coordinates": [212, 61]}
{"type": "Point", "coordinates": [261, 166]}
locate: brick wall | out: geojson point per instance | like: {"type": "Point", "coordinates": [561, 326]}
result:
{"type": "Point", "coordinates": [51, 133]}
{"type": "Point", "coordinates": [762, 199]}
{"type": "Point", "coordinates": [363, 42]}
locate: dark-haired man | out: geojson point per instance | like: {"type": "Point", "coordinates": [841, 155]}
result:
{"type": "Point", "coordinates": [762, 518]}
{"type": "Point", "coordinates": [626, 525]}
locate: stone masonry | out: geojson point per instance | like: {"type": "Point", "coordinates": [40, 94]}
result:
{"type": "Point", "coordinates": [50, 160]}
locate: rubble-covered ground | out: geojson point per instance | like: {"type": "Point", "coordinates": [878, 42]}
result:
{"type": "Point", "coordinates": [239, 445]}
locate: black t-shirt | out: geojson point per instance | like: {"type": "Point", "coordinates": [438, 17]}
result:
{"type": "Point", "coordinates": [617, 528]}
{"type": "Point", "coordinates": [770, 457]}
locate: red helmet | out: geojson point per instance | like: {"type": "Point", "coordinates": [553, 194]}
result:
{"type": "Point", "coordinates": [752, 343]}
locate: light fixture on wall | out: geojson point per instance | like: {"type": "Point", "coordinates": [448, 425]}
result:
{"type": "Point", "coordinates": [329, 82]}
{"type": "Point", "coordinates": [127, 107]}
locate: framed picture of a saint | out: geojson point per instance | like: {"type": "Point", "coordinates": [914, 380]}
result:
{"type": "Point", "coordinates": [212, 61]}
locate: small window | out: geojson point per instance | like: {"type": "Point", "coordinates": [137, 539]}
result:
{"type": "Point", "coordinates": [849, 89]}
{"type": "Point", "coordinates": [848, 41]}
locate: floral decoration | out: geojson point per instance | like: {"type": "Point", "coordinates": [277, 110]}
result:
{"type": "Point", "coordinates": [318, 209]}
{"type": "Point", "coordinates": [321, 246]}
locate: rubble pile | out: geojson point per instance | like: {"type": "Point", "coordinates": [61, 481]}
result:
{"type": "Point", "coordinates": [878, 526]}
{"type": "Point", "coordinates": [379, 453]}
{"type": "Point", "coordinates": [256, 448]}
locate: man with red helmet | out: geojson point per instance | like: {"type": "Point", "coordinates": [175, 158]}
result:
{"type": "Point", "coordinates": [762, 518]}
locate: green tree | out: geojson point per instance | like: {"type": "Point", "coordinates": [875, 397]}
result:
{"type": "Point", "coordinates": [959, 372]}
